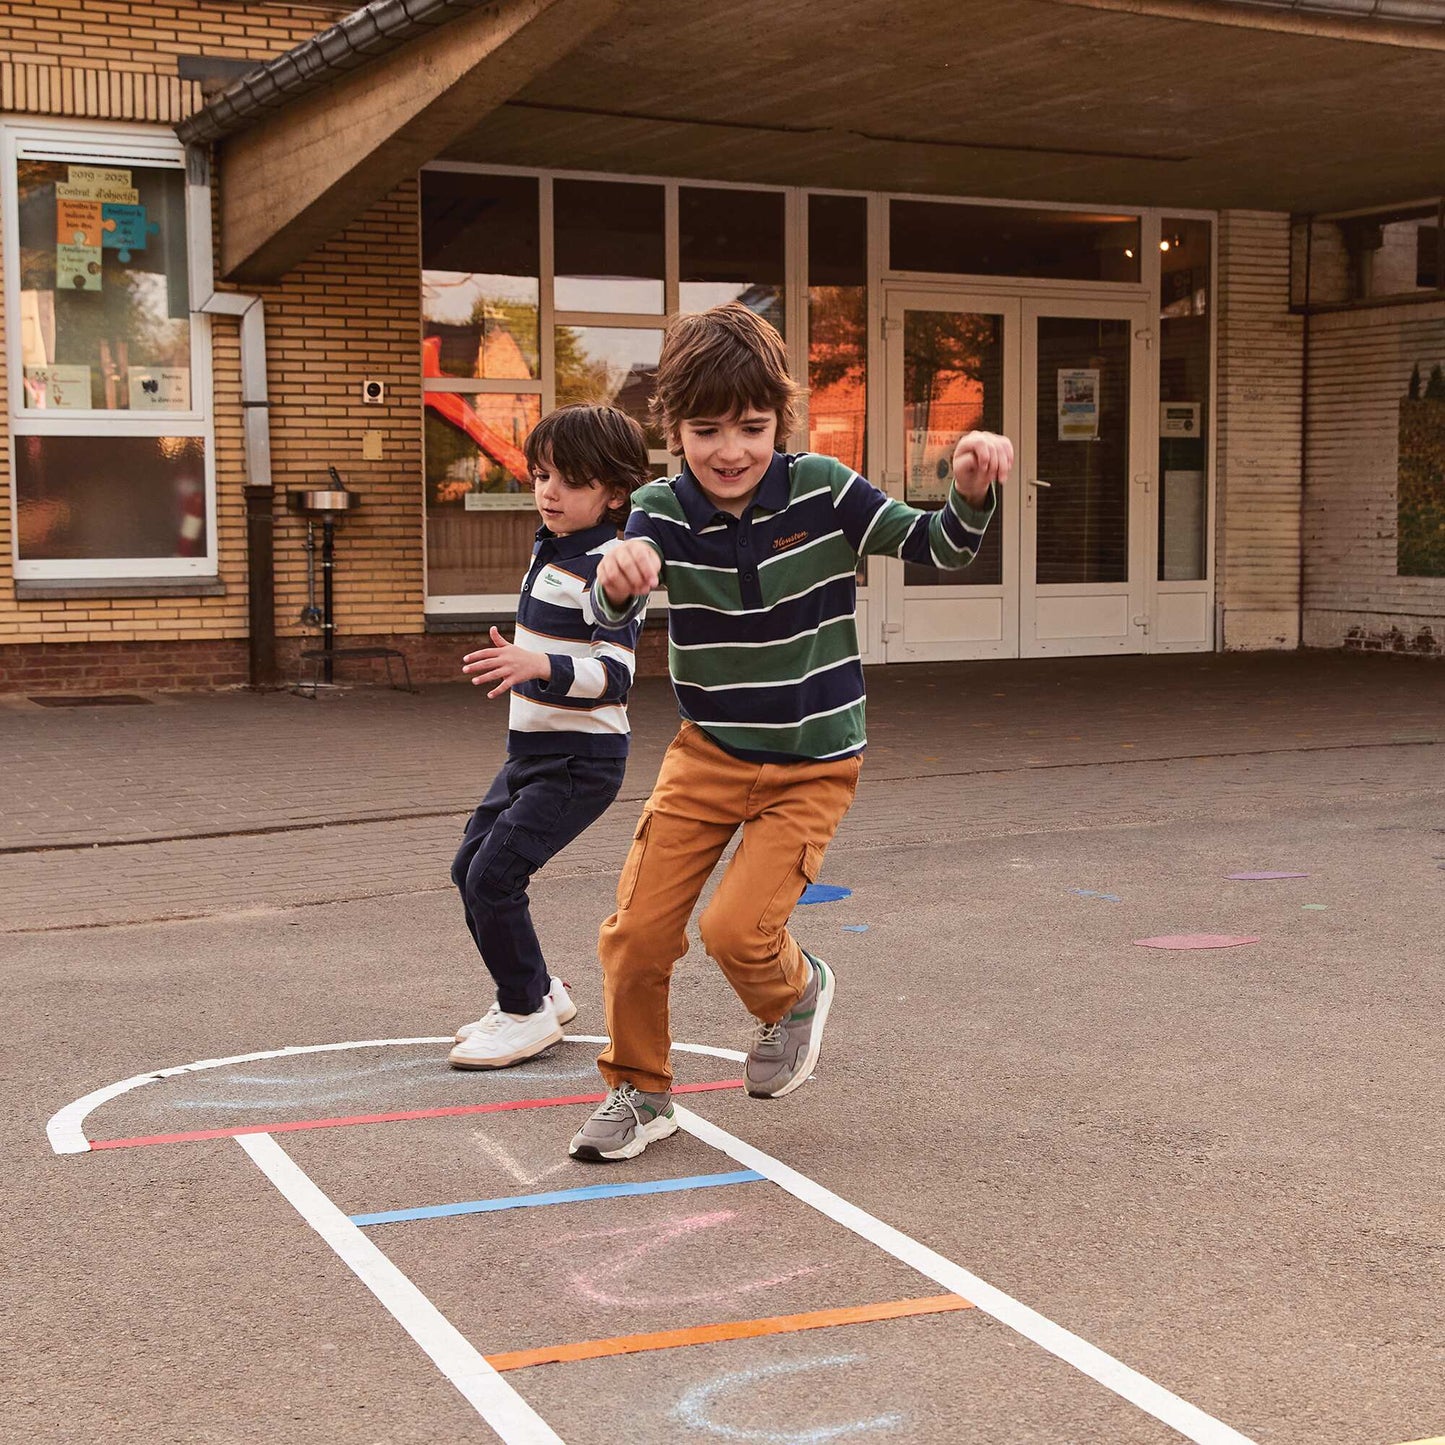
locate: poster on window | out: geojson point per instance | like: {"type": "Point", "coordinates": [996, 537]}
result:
{"type": "Point", "coordinates": [159, 388]}
{"type": "Point", "coordinates": [97, 183]}
{"type": "Point", "coordinates": [1078, 404]}
{"type": "Point", "coordinates": [57, 388]}
{"type": "Point", "coordinates": [125, 229]}
{"type": "Point", "coordinates": [77, 223]}
{"type": "Point", "coordinates": [930, 466]}
{"type": "Point", "coordinates": [77, 268]}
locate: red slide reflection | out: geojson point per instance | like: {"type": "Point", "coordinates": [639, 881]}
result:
{"type": "Point", "coordinates": [452, 407]}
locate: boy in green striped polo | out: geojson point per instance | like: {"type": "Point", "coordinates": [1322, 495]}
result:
{"type": "Point", "coordinates": [759, 553]}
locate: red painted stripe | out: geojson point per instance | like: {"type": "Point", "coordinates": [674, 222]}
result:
{"type": "Point", "coordinates": [290, 1126]}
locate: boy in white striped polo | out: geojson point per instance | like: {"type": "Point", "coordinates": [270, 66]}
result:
{"type": "Point", "coordinates": [568, 673]}
{"type": "Point", "coordinates": [759, 553]}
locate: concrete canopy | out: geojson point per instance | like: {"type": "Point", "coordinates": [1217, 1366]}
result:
{"type": "Point", "coordinates": [1055, 100]}
{"type": "Point", "coordinates": [297, 173]}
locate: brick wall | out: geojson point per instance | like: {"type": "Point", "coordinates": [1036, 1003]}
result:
{"type": "Point", "coordinates": [1359, 370]}
{"type": "Point", "coordinates": [350, 311]}
{"type": "Point", "coordinates": [1257, 535]}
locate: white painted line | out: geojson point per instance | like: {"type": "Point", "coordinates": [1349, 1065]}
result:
{"type": "Point", "coordinates": [1180, 1415]}
{"type": "Point", "coordinates": [66, 1131]}
{"type": "Point", "coordinates": [509, 1415]}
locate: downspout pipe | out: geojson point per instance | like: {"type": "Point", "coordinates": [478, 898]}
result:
{"type": "Point", "coordinates": [259, 493]}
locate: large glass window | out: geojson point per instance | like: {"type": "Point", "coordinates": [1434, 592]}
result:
{"type": "Point", "coordinates": [608, 239]}
{"type": "Point", "coordinates": [1184, 399]}
{"type": "Point", "coordinates": [838, 327]}
{"type": "Point", "coordinates": [104, 315]}
{"type": "Point", "coordinates": [730, 248]}
{"type": "Point", "coordinates": [109, 397]}
{"type": "Point", "coordinates": [953, 382]}
{"type": "Point", "coordinates": [505, 339]}
{"type": "Point", "coordinates": [481, 264]}
{"type": "Point", "coordinates": [609, 366]}
{"type": "Point", "coordinates": [974, 240]}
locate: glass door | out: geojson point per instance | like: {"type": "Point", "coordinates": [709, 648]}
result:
{"type": "Point", "coordinates": [953, 366]}
{"type": "Point", "coordinates": [1083, 486]}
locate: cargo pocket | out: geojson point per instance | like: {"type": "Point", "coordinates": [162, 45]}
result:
{"type": "Point", "coordinates": [627, 884]}
{"type": "Point", "coordinates": [509, 865]}
{"type": "Point", "coordinates": [780, 906]}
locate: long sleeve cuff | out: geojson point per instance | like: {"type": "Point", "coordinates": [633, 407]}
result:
{"type": "Point", "coordinates": [975, 517]}
{"type": "Point", "coordinates": [563, 673]}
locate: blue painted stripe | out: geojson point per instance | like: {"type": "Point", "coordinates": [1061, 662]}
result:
{"type": "Point", "coordinates": [558, 1196]}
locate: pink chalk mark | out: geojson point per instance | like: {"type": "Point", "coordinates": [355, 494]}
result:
{"type": "Point", "coordinates": [1195, 940]}
{"type": "Point", "coordinates": [594, 1283]}
{"type": "Point", "coordinates": [1261, 877]}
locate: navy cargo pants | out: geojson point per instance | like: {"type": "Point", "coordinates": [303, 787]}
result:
{"type": "Point", "coordinates": [534, 808]}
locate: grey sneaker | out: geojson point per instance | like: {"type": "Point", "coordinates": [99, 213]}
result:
{"type": "Point", "coordinates": [624, 1125]}
{"type": "Point", "coordinates": [784, 1054]}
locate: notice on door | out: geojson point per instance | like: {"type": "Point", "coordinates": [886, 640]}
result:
{"type": "Point", "coordinates": [930, 466]}
{"type": "Point", "coordinates": [1078, 404]}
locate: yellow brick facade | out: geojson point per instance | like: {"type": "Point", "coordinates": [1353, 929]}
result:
{"type": "Point", "coordinates": [349, 312]}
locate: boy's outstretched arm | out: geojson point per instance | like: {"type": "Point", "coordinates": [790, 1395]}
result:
{"type": "Point", "coordinates": [625, 577]}
{"type": "Point", "coordinates": [948, 537]}
{"type": "Point", "coordinates": [505, 664]}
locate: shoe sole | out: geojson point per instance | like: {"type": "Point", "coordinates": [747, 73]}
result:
{"type": "Point", "coordinates": [462, 1035]}
{"type": "Point", "coordinates": [661, 1128]}
{"type": "Point", "coordinates": [530, 1052]}
{"type": "Point", "coordinates": [815, 1042]}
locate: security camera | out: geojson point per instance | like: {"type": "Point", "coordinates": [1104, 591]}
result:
{"type": "Point", "coordinates": [373, 393]}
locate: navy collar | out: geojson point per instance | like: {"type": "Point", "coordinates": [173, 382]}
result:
{"type": "Point", "coordinates": [574, 544]}
{"type": "Point", "coordinates": [772, 494]}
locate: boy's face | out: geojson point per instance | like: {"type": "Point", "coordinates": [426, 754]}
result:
{"type": "Point", "coordinates": [568, 509]}
{"type": "Point", "coordinates": [729, 455]}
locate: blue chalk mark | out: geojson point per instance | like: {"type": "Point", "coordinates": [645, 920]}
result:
{"type": "Point", "coordinates": [855, 928]}
{"type": "Point", "coordinates": [824, 893]}
{"type": "Point", "coordinates": [558, 1196]}
{"type": "Point", "coordinates": [696, 1407]}
{"type": "Point", "coordinates": [1090, 893]}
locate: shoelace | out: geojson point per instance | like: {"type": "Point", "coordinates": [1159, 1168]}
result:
{"type": "Point", "coordinates": [767, 1034]}
{"type": "Point", "coordinates": [619, 1103]}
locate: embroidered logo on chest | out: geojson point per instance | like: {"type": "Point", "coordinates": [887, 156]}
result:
{"type": "Point", "coordinates": [552, 581]}
{"type": "Point", "coordinates": [791, 540]}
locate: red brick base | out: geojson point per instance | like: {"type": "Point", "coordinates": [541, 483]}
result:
{"type": "Point", "coordinates": [95, 667]}
{"type": "Point", "coordinates": [86, 667]}
{"type": "Point", "coordinates": [434, 656]}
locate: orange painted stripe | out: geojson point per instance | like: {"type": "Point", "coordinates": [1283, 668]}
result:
{"type": "Point", "coordinates": [734, 1330]}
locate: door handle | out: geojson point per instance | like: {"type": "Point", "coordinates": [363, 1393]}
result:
{"type": "Point", "coordinates": [1041, 484]}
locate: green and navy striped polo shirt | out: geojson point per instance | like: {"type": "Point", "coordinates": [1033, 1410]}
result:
{"type": "Point", "coordinates": [762, 627]}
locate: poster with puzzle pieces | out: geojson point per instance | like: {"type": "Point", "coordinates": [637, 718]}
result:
{"type": "Point", "coordinates": [77, 268]}
{"type": "Point", "coordinates": [125, 229]}
{"type": "Point", "coordinates": [77, 223]}
{"type": "Point", "coordinates": [97, 183]}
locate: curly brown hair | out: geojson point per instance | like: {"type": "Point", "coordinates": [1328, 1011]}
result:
{"type": "Point", "coordinates": [721, 363]}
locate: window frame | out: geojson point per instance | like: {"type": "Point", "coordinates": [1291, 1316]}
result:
{"type": "Point", "coordinates": [102, 145]}
{"type": "Point", "coordinates": [549, 317]}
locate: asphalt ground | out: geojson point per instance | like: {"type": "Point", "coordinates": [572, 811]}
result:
{"type": "Point", "coordinates": [1220, 1167]}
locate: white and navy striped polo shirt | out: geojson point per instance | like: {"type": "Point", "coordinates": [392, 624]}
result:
{"type": "Point", "coordinates": [582, 708]}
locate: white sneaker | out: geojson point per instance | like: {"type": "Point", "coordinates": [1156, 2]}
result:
{"type": "Point", "coordinates": [499, 1039]}
{"type": "Point", "coordinates": [557, 996]}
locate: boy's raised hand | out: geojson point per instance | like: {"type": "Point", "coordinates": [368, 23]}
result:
{"type": "Point", "coordinates": [506, 664]}
{"type": "Point", "coordinates": [979, 460]}
{"type": "Point", "coordinates": [631, 569]}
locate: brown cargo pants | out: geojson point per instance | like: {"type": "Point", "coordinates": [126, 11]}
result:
{"type": "Point", "coordinates": [788, 813]}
